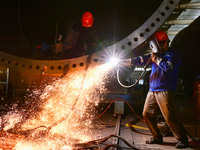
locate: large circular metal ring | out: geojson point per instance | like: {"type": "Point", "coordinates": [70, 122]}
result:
{"type": "Point", "coordinates": [126, 45]}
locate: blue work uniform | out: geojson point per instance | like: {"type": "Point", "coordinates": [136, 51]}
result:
{"type": "Point", "coordinates": [162, 84]}
{"type": "Point", "coordinates": [164, 72]}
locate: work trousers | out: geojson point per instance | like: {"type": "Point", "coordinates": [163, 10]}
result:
{"type": "Point", "coordinates": [165, 101]}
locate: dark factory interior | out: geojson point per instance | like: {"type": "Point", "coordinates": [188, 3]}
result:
{"type": "Point", "coordinates": [79, 74]}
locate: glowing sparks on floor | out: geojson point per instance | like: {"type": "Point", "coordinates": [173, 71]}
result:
{"type": "Point", "coordinates": [71, 101]}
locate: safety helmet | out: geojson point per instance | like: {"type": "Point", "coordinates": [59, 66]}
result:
{"type": "Point", "coordinates": [161, 36]}
{"type": "Point", "coordinates": [87, 19]}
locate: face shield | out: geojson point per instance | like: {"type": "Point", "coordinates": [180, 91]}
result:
{"type": "Point", "coordinates": [155, 47]}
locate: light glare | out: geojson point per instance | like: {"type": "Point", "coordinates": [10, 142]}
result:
{"type": "Point", "coordinates": [114, 61]}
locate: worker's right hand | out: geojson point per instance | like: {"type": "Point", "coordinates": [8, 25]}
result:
{"type": "Point", "coordinates": [154, 56]}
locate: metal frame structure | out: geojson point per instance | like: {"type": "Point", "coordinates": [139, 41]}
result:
{"type": "Point", "coordinates": [184, 14]}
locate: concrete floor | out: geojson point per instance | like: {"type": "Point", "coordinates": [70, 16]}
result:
{"type": "Point", "coordinates": [106, 126]}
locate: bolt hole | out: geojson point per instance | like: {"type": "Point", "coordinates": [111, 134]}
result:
{"type": "Point", "coordinates": [81, 64]}
{"type": "Point", "coordinates": [153, 24]}
{"type": "Point", "coordinates": [95, 60]}
{"type": "Point", "coordinates": [147, 29]}
{"type": "Point", "coordinates": [52, 67]}
{"type": "Point", "coordinates": [59, 67]}
{"type": "Point", "coordinates": [162, 14]}
{"type": "Point", "coordinates": [123, 47]}
{"type": "Point", "coordinates": [141, 34]}
{"type": "Point", "coordinates": [157, 19]}
{"type": "Point", "coordinates": [74, 65]}
{"type": "Point", "coordinates": [37, 67]}
{"type": "Point", "coordinates": [135, 39]}
{"type": "Point", "coordinates": [167, 8]}
{"type": "Point", "coordinates": [129, 43]}
{"type": "Point", "coordinates": [30, 67]}
{"type": "Point", "coordinates": [171, 2]}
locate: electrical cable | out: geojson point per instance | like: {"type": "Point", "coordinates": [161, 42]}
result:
{"type": "Point", "coordinates": [148, 62]}
{"type": "Point", "coordinates": [57, 22]}
{"type": "Point", "coordinates": [101, 140]}
{"type": "Point", "coordinates": [134, 126]}
{"type": "Point", "coordinates": [77, 98]}
{"type": "Point", "coordinates": [112, 145]}
{"type": "Point", "coordinates": [134, 84]}
{"type": "Point", "coordinates": [20, 26]}
{"type": "Point", "coordinates": [119, 100]}
{"type": "Point", "coordinates": [128, 125]}
{"type": "Point", "coordinates": [73, 106]}
{"type": "Point", "coordinates": [28, 131]}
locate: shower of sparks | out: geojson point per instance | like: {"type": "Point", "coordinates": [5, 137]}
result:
{"type": "Point", "coordinates": [82, 89]}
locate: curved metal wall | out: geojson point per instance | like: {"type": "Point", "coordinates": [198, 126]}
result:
{"type": "Point", "coordinates": [126, 45]}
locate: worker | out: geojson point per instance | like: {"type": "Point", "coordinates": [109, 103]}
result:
{"type": "Point", "coordinates": [162, 86]}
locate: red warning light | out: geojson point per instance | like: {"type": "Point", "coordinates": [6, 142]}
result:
{"type": "Point", "coordinates": [87, 19]}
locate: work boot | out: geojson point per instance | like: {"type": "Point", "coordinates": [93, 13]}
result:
{"type": "Point", "coordinates": [154, 141]}
{"type": "Point", "coordinates": [182, 144]}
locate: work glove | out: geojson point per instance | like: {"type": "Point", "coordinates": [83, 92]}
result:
{"type": "Point", "coordinates": [154, 57]}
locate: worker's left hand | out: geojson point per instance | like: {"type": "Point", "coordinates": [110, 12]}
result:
{"type": "Point", "coordinates": [154, 56]}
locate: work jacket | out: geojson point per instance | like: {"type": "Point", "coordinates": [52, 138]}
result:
{"type": "Point", "coordinates": [164, 72]}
